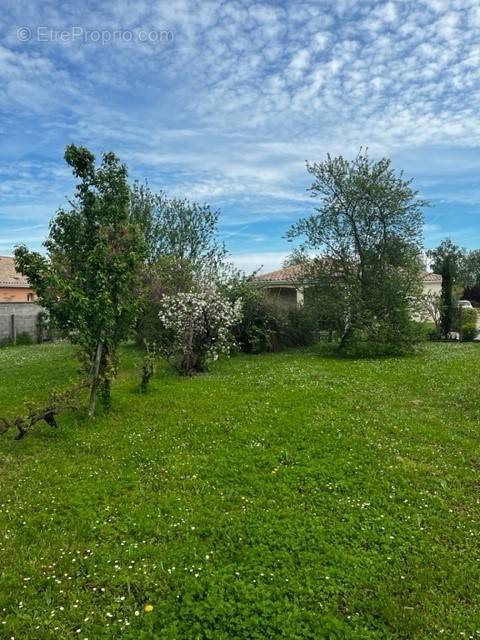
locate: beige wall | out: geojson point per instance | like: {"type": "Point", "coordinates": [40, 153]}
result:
{"type": "Point", "coordinates": [285, 297]}
{"type": "Point", "coordinates": [432, 287]}
{"type": "Point", "coordinates": [13, 294]}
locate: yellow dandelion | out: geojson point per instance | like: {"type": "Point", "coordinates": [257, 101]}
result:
{"type": "Point", "coordinates": [148, 608]}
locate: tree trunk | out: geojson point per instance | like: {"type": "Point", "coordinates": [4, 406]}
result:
{"type": "Point", "coordinates": [95, 376]}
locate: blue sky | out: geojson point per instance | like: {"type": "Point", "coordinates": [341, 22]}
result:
{"type": "Point", "coordinates": [224, 101]}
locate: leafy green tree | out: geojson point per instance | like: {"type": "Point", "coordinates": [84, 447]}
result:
{"type": "Point", "coordinates": [183, 251]}
{"type": "Point", "coordinates": [89, 280]}
{"type": "Point", "coordinates": [184, 231]}
{"type": "Point", "coordinates": [166, 277]}
{"type": "Point", "coordinates": [472, 294]}
{"type": "Point", "coordinates": [367, 231]}
{"type": "Point", "coordinates": [446, 260]}
{"type": "Point", "coordinates": [469, 269]}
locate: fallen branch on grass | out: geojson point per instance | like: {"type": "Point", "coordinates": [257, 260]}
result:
{"type": "Point", "coordinates": [58, 402]}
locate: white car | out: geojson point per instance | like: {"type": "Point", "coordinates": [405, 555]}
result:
{"type": "Point", "coordinates": [465, 304]}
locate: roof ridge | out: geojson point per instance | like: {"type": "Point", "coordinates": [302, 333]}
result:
{"type": "Point", "coordinates": [285, 273]}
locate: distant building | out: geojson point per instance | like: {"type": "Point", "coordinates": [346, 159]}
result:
{"type": "Point", "coordinates": [13, 286]}
{"type": "Point", "coordinates": [286, 286]}
{"type": "Point", "coordinates": [432, 282]}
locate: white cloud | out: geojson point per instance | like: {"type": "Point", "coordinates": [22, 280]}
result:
{"type": "Point", "coordinates": [264, 261]}
{"type": "Point", "coordinates": [245, 93]}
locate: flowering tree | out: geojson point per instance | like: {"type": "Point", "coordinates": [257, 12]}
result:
{"type": "Point", "coordinates": [198, 329]}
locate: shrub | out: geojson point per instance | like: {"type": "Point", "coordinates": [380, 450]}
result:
{"type": "Point", "coordinates": [260, 327]}
{"type": "Point", "coordinates": [383, 339]}
{"type": "Point", "coordinates": [265, 325]}
{"type": "Point", "coordinates": [469, 331]}
{"type": "Point", "coordinates": [434, 333]}
{"type": "Point", "coordinates": [5, 342]}
{"type": "Point", "coordinates": [300, 327]}
{"type": "Point", "coordinates": [465, 322]}
{"type": "Point", "coordinates": [462, 317]}
{"type": "Point", "coordinates": [469, 316]}
{"type": "Point", "coordinates": [199, 329]}
{"type": "Point", "coordinates": [24, 338]}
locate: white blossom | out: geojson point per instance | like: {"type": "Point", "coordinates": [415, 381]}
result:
{"type": "Point", "coordinates": [200, 327]}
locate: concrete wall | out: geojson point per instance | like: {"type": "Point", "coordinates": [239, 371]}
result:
{"type": "Point", "coordinates": [19, 317]}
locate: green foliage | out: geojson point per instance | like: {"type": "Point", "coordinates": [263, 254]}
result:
{"type": "Point", "coordinates": [257, 329]}
{"type": "Point", "coordinates": [183, 252]}
{"type": "Point", "coordinates": [265, 325]}
{"type": "Point", "coordinates": [239, 502]}
{"type": "Point", "coordinates": [469, 331]}
{"type": "Point", "coordinates": [183, 231]}
{"type": "Point", "coordinates": [447, 306]}
{"type": "Point", "coordinates": [300, 328]}
{"type": "Point", "coordinates": [149, 327]}
{"type": "Point", "coordinates": [433, 332]}
{"type": "Point", "coordinates": [368, 231]}
{"type": "Point", "coordinates": [446, 250]}
{"type": "Point", "coordinates": [24, 338]}
{"type": "Point", "coordinates": [465, 322]}
{"type": "Point", "coordinates": [89, 282]}
{"type": "Point", "coordinates": [323, 297]}
{"type": "Point", "coordinates": [467, 315]}
{"type": "Point", "coordinates": [383, 337]}
{"type": "Point", "coordinates": [446, 260]}
{"type": "Point", "coordinates": [149, 365]}
{"type": "Point", "coordinates": [469, 269]}
{"type": "Point", "coordinates": [260, 327]}
{"type": "Point", "coordinates": [473, 294]}
{"type": "Point", "coordinates": [166, 277]}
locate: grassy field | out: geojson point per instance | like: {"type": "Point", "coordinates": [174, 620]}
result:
{"type": "Point", "coordinates": [290, 495]}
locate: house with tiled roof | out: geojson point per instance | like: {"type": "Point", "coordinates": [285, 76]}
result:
{"type": "Point", "coordinates": [286, 286]}
{"type": "Point", "coordinates": [14, 287]}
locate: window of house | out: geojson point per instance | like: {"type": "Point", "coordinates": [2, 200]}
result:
{"type": "Point", "coordinates": [30, 297]}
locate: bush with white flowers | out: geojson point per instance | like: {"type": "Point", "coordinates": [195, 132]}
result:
{"type": "Point", "coordinates": [198, 329]}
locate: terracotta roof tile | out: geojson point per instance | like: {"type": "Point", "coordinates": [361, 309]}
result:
{"type": "Point", "coordinates": [288, 273]}
{"type": "Point", "coordinates": [296, 271]}
{"type": "Point", "coordinates": [432, 277]}
{"type": "Point", "coordinates": [9, 277]}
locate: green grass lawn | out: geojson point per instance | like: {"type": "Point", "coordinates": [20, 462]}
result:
{"type": "Point", "coordinates": [289, 495]}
